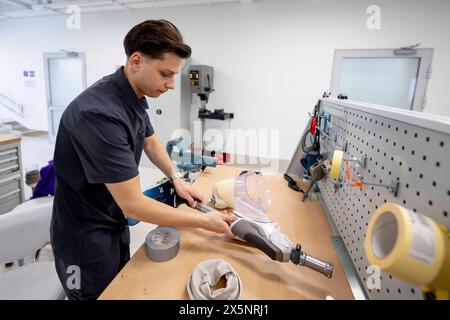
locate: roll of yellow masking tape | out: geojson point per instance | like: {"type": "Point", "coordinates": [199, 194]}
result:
{"type": "Point", "coordinates": [336, 164]}
{"type": "Point", "coordinates": [410, 246]}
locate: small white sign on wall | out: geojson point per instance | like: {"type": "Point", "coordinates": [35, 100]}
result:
{"type": "Point", "coordinates": [29, 78]}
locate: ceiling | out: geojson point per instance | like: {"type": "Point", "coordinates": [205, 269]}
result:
{"type": "Point", "coordinates": [32, 8]}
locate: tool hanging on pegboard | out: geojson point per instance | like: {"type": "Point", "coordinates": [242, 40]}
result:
{"type": "Point", "coordinates": [318, 171]}
{"type": "Point", "coordinates": [310, 150]}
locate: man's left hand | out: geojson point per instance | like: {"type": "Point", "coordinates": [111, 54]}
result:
{"type": "Point", "coordinates": [185, 191]}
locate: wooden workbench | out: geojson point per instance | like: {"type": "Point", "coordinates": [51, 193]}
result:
{"type": "Point", "coordinates": [262, 278]}
{"type": "Point", "coordinates": [7, 139]}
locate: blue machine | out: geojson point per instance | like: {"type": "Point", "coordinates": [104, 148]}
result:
{"type": "Point", "coordinates": [186, 160]}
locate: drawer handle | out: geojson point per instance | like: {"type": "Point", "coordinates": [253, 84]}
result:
{"type": "Point", "coordinates": [8, 159]}
{"type": "Point", "coordinates": [14, 177]}
{"type": "Point", "coordinates": [9, 194]}
{"type": "Point", "coordinates": [9, 168]}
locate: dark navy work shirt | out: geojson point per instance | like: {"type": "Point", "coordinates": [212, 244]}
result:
{"type": "Point", "coordinates": [100, 140]}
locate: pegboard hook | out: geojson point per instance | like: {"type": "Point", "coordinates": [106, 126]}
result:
{"type": "Point", "coordinates": [393, 187]}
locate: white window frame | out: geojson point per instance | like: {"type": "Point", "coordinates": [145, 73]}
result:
{"type": "Point", "coordinates": [424, 73]}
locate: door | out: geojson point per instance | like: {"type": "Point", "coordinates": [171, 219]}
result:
{"type": "Point", "coordinates": [65, 75]}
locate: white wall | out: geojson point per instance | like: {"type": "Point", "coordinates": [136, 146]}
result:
{"type": "Point", "coordinates": [272, 59]}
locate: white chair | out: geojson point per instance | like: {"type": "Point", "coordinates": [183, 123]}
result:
{"type": "Point", "coordinates": [24, 231]}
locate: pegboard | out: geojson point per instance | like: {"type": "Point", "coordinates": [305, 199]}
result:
{"type": "Point", "coordinates": [409, 147]}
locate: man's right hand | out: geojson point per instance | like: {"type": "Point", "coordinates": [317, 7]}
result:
{"type": "Point", "coordinates": [218, 222]}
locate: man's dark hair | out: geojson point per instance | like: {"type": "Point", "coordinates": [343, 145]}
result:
{"type": "Point", "coordinates": [154, 38]}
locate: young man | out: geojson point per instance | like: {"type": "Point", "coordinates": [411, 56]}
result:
{"type": "Point", "coordinates": [98, 148]}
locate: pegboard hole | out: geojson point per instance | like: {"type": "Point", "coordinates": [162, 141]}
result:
{"type": "Point", "coordinates": [441, 144]}
{"type": "Point", "coordinates": [445, 214]}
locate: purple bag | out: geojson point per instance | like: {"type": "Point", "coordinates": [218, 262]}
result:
{"type": "Point", "coordinates": [47, 184]}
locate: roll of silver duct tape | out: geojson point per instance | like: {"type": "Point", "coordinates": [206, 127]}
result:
{"type": "Point", "coordinates": [162, 244]}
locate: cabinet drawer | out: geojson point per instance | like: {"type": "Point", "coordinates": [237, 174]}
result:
{"type": "Point", "coordinates": [9, 153]}
{"type": "Point", "coordinates": [9, 184]}
{"type": "Point", "coordinates": [9, 201]}
{"type": "Point", "coordinates": [8, 167]}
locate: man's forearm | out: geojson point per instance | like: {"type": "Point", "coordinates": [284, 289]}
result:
{"type": "Point", "coordinates": [157, 154]}
{"type": "Point", "coordinates": [149, 210]}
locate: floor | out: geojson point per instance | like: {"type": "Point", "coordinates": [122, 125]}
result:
{"type": "Point", "coordinates": [37, 151]}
